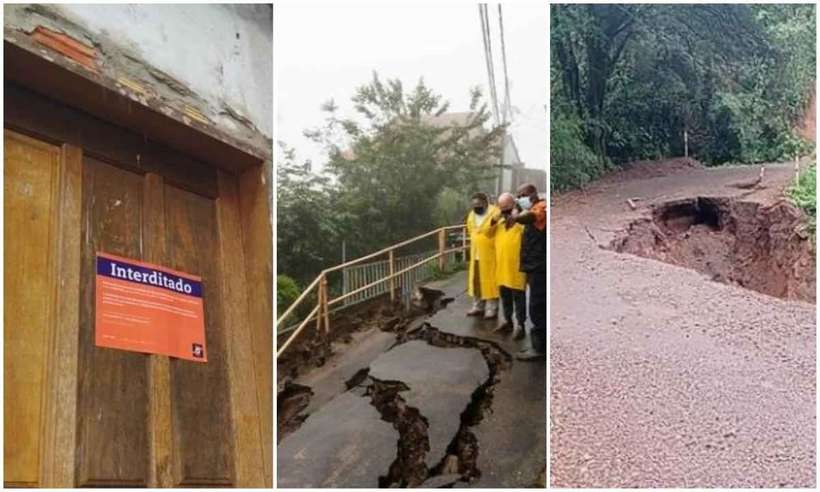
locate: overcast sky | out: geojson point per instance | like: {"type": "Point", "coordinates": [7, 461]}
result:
{"type": "Point", "coordinates": [327, 52]}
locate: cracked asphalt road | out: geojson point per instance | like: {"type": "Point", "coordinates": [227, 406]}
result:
{"type": "Point", "coordinates": [440, 381]}
{"type": "Point", "coordinates": [345, 443]}
{"type": "Point", "coordinates": [661, 377]}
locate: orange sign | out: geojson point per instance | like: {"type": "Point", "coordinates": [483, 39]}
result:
{"type": "Point", "coordinates": [148, 308]}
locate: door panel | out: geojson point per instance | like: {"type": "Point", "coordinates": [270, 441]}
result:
{"type": "Point", "coordinates": [76, 414]}
{"type": "Point", "coordinates": [200, 395]}
{"type": "Point", "coordinates": [113, 387]}
{"type": "Point", "coordinates": [31, 175]}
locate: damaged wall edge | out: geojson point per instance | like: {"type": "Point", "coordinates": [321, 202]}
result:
{"type": "Point", "coordinates": [55, 75]}
{"type": "Point", "coordinates": [227, 86]}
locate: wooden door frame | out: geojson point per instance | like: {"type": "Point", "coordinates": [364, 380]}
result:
{"type": "Point", "coordinates": [241, 200]}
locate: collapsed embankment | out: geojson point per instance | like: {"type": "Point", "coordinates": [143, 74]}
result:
{"type": "Point", "coordinates": [764, 248]}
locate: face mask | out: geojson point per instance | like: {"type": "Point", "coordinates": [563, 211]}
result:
{"type": "Point", "coordinates": [478, 210]}
{"type": "Point", "coordinates": [506, 213]}
{"type": "Point", "coordinates": [525, 203]}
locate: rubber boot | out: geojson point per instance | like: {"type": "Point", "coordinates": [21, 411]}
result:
{"type": "Point", "coordinates": [491, 309]}
{"type": "Point", "coordinates": [503, 327]}
{"type": "Point", "coordinates": [477, 309]}
{"type": "Point", "coordinates": [518, 332]}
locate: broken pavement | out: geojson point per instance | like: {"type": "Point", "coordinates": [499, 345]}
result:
{"type": "Point", "coordinates": [460, 411]}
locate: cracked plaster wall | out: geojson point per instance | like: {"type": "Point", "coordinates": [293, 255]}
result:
{"type": "Point", "coordinates": [216, 58]}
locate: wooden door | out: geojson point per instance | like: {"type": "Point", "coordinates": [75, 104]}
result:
{"type": "Point", "coordinates": [31, 176]}
{"type": "Point", "coordinates": [140, 420]}
{"type": "Point", "coordinates": [141, 217]}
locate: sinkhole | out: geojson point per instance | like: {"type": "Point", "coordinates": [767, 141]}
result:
{"type": "Point", "coordinates": [765, 248]}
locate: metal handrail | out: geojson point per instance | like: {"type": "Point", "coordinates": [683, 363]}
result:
{"type": "Point", "coordinates": [321, 312]}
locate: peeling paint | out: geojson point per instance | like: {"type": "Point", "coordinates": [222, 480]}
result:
{"type": "Point", "coordinates": [172, 83]}
{"type": "Point", "coordinates": [126, 67]}
{"type": "Point", "coordinates": [242, 119]}
{"type": "Point", "coordinates": [131, 85]}
{"type": "Point", "coordinates": [193, 113]}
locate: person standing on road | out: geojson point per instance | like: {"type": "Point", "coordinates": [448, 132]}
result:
{"type": "Point", "coordinates": [512, 282]}
{"type": "Point", "coordinates": [534, 264]}
{"type": "Point", "coordinates": [481, 283]}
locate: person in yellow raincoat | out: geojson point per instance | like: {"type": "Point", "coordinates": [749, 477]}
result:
{"type": "Point", "coordinates": [481, 283]}
{"type": "Point", "coordinates": [512, 282]}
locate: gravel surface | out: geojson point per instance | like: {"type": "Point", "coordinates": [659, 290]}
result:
{"type": "Point", "coordinates": [661, 377]}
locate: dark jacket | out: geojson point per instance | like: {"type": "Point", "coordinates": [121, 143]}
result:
{"type": "Point", "coordinates": [534, 242]}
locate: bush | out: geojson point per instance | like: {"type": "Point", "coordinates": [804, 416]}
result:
{"type": "Point", "coordinates": [804, 195]}
{"type": "Point", "coordinates": [286, 292]}
{"type": "Point", "coordinates": [572, 163]}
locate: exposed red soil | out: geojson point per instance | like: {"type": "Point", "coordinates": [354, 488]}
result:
{"type": "Point", "coordinates": [763, 248]}
{"type": "Point", "coordinates": [653, 169]}
{"type": "Point", "coordinates": [808, 125]}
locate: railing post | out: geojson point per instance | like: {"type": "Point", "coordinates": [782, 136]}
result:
{"type": "Point", "coordinates": [442, 240]}
{"type": "Point", "coordinates": [392, 268]}
{"type": "Point", "coordinates": [324, 304]}
{"type": "Point", "coordinates": [320, 295]}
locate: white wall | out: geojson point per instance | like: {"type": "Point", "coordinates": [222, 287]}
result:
{"type": "Point", "coordinates": [221, 52]}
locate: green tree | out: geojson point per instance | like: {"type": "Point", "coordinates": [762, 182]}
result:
{"type": "Point", "coordinates": [450, 207]}
{"type": "Point", "coordinates": [572, 163]}
{"type": "Point", "coordinates": [308, 224]}
{"type": "Point", "coordinates": [634, 77]}
{"type": "Point", "coordinates": [392, 161]}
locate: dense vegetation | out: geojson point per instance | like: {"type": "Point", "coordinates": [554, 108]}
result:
{"type": "Point", "coordinates": [286, 292]}
{"type": "Point", "coordinates": [804, 195]}
{"type": "Point", "coordinates": [628, 80]}
{"type": "Point", "coordinates": [397, 170]}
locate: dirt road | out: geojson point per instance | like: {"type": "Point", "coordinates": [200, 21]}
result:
{"type": "Point", "coordinates": [662, 376]}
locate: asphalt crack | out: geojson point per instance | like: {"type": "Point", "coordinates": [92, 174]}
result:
{"type": "Point", "coordinates": [414, 466]}
{"type": "Point", "coordinates": [290, 403]}
{"type": "Point", "coordinates": [409, 468]}
{"type": "Point", "coordinates": [461, 457]}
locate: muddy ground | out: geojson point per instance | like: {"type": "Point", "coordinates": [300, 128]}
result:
{"type": "Point", "coordinates": [682, 332]}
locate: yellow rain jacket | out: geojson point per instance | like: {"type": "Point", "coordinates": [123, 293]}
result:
{"type": "Point", "coordinates": [482, 246]}
{"type": "Point", "coordinates": [508, 255]}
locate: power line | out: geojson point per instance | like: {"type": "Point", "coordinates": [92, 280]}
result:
{"type": "Point", "coordinates": [488, 56]}
{"type": "Point", "coordinates": [507, 102]}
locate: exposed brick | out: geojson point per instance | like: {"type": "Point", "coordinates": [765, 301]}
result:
{"type": "Point", "coordinates": [66, 46]}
